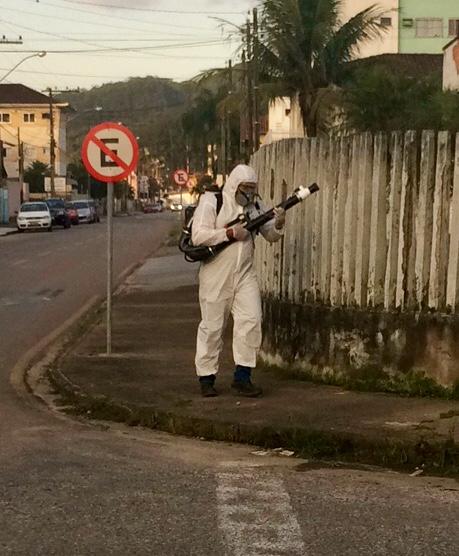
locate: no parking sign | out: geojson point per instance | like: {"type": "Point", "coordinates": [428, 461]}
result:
{"type": "Point", "coordinates": [110, 153]}
{"type": "Point", "coordinates": [181, 177]}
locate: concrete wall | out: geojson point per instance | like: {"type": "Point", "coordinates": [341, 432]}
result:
{"type": "Point", "coordinates": [284, 120]}
{"type": "Point", "coordinates": [451, 67]}
{"type": "Point", "coordinates": [381, 238]}
{"type": "Point", "coordinates": [388, 43]}
{"type": "Point", "coordinates": [421, 9]}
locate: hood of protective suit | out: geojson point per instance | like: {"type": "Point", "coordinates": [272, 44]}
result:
{"type": "Point", "coordinates": [230, 208]}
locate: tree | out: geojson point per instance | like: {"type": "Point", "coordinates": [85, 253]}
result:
{"type": "Point", "coordinates": [305, 46]}
{"type": "Point", "coordinates": [35, 176]}
{"type": "Point", "coordinates": [378, 99]}
{"type": "Point", "coordinates": [200, 124]}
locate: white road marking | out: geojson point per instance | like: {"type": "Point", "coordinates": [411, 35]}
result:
{"type": "Point", "coordinates": [17, 263]}
{"type": "Point", "coordinates": [44, 254]}
{"type": "Point", "coordinates": [256, 515]}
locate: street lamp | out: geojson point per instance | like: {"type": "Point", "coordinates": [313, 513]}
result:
{"type": "Point", "coordinates": [41, 54]}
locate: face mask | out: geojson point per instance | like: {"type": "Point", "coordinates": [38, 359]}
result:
{"type": "Point", "coordinates": [245, 198]}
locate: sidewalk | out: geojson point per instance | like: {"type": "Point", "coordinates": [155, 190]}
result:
{"type": "Point", "coordinates": [150, 381]}
{"type": "Point", "coordinates": [5, 231]}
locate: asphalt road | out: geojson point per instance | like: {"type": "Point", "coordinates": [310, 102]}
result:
{"type": "Point", "coordinates": [77, 488]}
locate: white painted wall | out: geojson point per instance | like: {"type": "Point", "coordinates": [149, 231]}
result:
{"type": "Point", "coordinates": [451, 67]}
{"type": "Point", "coordinates": [284, 121]}
{"type": "Point", "coordinates": [388, 44]}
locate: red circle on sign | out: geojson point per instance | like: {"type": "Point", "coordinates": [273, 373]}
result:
{"type": "Point", "coordinates": [126, 167]}
{"type": "Point", "coordinates": [181, 177]}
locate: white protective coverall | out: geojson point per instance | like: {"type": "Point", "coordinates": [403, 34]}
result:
{"type": "Point", "coordinates": [228, 283]}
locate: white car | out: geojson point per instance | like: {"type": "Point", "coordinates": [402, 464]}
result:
{"type": "Point", "coordinates": [34, 216]}
{"type": "Point", "coordinates": [85, 214]}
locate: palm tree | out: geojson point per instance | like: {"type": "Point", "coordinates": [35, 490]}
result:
{"type": "Point", "coordinates": [304, 47]}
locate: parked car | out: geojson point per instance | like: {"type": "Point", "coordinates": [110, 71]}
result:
{"type": "Point", "coordinates": [94, 210]}
{"type": "Point", "coordinates": [153, 208]}
{"type": "Point", "coordinates": [58, 212]}
{"type": "Point", "coordinates": [85, 214]}
{"type": "Point", "coordinates": [73, 214]}
{"type": "Point", "coordinates": [34, 216]}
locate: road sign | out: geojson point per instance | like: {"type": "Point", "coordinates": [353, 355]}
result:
{"type": "Point", "coordinates": [181, 177]}
{"type": "Point", "coordinates": [110, 152]}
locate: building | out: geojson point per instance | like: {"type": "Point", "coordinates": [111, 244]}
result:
{"type": "Point", "coordinates": [451, 65]}
{"type": "Point", "coordinates": [25, 118]}
{"type": "Point", "coordinates": [412, 27]}
{"type": "Point", "coordinates": [25, 137]}
{"type": "Point", "coordinates": [426, 25]}
{"type": "Point", "coordinates": [388, 43]}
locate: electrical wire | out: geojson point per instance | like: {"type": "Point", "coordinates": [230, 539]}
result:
{"type": "Point", "coordinates": [97, 23]}
{"type": "Point", "coordinates": [105, 15]}
{"type": "Point", "coordinates": [151, 10]}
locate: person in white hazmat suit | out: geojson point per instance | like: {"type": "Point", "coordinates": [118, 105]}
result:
{"type": "Point", "coordinates": [228, 283]}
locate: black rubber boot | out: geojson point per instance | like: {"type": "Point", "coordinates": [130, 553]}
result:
{"type": "Point", "coordinates": [207, 386]}
{"type": "Point", "coordinates": [246, 389]}
{"type": "Point", "coordinates": [208, 390]}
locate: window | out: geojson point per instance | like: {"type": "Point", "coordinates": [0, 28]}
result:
{"type": "Point", "coordinates": [453, 27]}
{"type": "Point", "coordinates": [5, 118]}
{"type": "Point", "coordinates": [429, 28]}
{"type": "Point", "coordinates": [386, 22]}
{"type": "Point", "coordinates": [29, 118]}
{"type": "Point", "coordinates": [45, 116]}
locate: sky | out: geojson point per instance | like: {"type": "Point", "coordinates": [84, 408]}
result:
{"type": "Point", "coordinates": [91, 42]}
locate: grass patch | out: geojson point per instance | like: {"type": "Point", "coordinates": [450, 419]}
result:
{"type": "Point", "coordinates": [368, 379]}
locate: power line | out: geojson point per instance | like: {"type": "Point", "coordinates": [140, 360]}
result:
{"type": "Point", "coordinates": [124, 49]}
{"type": "Point", "coordinates": [151, 10]}
{"type": "Point", "coordinates": [105, 24]}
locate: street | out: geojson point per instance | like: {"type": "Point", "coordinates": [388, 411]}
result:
{"type": "Point", "coordinates": [68, 487]}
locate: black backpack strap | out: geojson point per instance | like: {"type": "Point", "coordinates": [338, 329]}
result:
{"type": "Point", "coordinates": [219, 196]}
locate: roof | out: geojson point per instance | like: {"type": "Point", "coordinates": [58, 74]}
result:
{"type": "Point", "coordinates": [456, 39]}
{"type": "Point", "coordinates": [15, 93]}
{"type": "Point", "coordinates": [411, 65]}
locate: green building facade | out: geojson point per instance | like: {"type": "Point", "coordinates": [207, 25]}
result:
{"type": "Point", "coordinates": [425, 26]}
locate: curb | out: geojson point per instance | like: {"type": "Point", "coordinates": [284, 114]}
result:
{"type": "Point", "coordinates": [9, 233]}
{"type": "Point", "coordinates": [433, 457]}
{"type": "Point", "coordinates": [50, 348]}
{"type": "Point", "coordinates": [437, 457]}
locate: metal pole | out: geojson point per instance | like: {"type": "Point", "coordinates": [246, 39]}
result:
{"type": "Point", "coordinates": [256, 80]}
{"type": "Point", "coordinates": [249, 79]}
{"type": "Point", "coordinates": [110, 187]}
{"type": "Point", "coordinates": [52, 144]}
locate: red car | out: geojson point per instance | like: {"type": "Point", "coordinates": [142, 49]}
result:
{"type": "Point", "coordinates": [73, 214]}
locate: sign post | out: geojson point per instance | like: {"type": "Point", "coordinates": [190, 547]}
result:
{"type": "Point", "coordinates": [181, 179]}
{"type": "Point", "coordinates": [110, 188]}
{"type": "Point", "coordinates": [110, 153]}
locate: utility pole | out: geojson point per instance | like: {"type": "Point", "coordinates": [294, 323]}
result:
{"type": "Point", "coordinates": [256, 80]}
{"type": "Point", "coordinates": [229, 147]}
{"type": "Point", "coordinates": [243, 111]}
{"type": "Point", "coordinates": [4, 40]}
{"type": "Point", "coordinates": [2, 165]}
{"type": "Point", "coordinates": [52, 141]}
{"type": "Point", "coordinates": [52, 145]}
{"type": "Point", "coordinates": [20, 159]}
{"type": "Point", "coordinates": [249, 83]}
